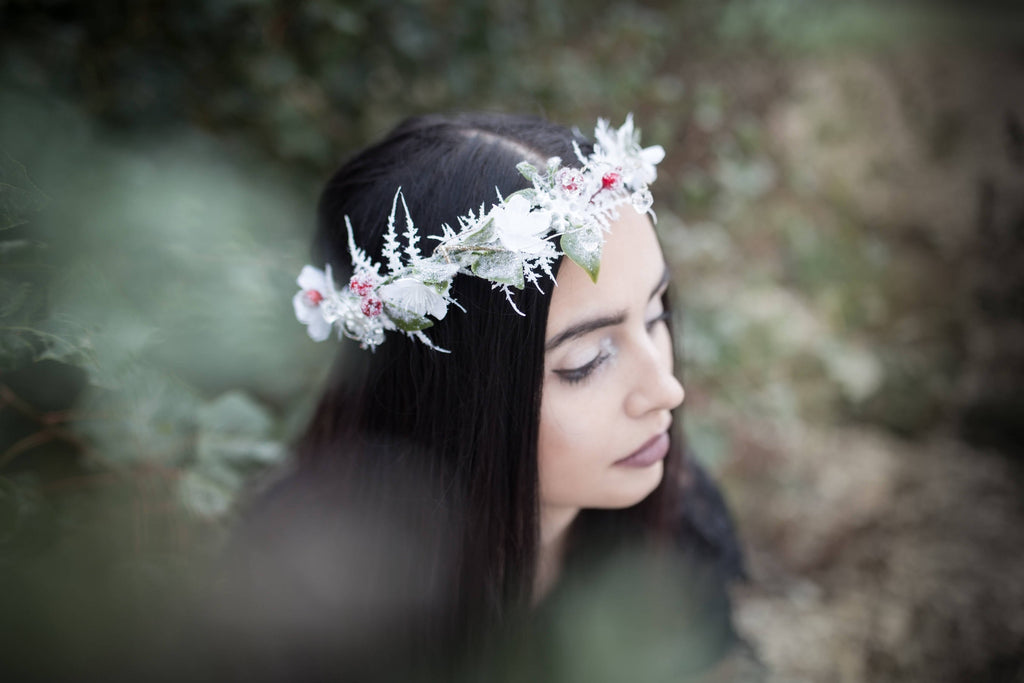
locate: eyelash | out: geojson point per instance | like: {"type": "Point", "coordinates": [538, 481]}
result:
{"type": "Point", "coordinates": [577, 375]}
{"type": "Point", "coordinates": [664, 316]}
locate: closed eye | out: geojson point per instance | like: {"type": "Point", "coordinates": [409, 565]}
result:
{"type": "Point", "coordinates": [576, 375]}
{"type": "Point", "coordinates": [663, 317]}
{"type": "Point", "coordinates": [582, 372]}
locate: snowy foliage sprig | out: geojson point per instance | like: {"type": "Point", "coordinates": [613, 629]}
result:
{"type": "Point", "coordinates": [514, 243]}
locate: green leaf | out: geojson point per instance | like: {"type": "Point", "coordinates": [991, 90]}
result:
{"type": "Point", "coordinates": [19, 196]}
{"type": "Point", "coordinates": [482, 235]}
{"type": "Point", "coordinates": [68, 342]}
{"type": "Point", "coordinates": [204, 495]}
{"type": "Point", "coordinates": [584, 251]}
{"type": "Point", "coordinates": [13, 296]}
{"type": "Point", "coordinates": [24, 336]}
{"type": "Point", "coordinates": [149, 416]}
{"type": "Point", "coordinates": [502, 267]}
{"type": "Point", "coordinates": [234, 412]}
{"type": "Point", "coordinates": [234, 430]}
{"type": "Point", "coordinates": [527, 170]}
{"type": "Point", "coordinates": [408, 321]}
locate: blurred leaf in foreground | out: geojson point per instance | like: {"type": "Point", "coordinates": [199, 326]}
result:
{"type": "Point", "coordinates": [19, 196]}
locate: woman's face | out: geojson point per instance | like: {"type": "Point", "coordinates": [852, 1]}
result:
{"type": "Point", "coordinates": [608, 383]}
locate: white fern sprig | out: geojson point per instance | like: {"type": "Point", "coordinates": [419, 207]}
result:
{"type": "Point", "coordinates": [360, 261]}
{"type": "Point", "coordinates": [508, 297]}
{"type": "Point", "coordinates": [412, 236]}
{"type": "Point", "coordinates": [390, 249]}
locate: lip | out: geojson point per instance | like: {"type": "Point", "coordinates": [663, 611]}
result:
{"type": "Point", "coordinates": [651, 452]}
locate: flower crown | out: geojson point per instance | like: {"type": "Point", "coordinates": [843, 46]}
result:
{"type": "Point", "coordinates": [511, 244]}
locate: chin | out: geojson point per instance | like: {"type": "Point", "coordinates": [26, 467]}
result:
{"type": "Point", "coordinates": [642, 484]}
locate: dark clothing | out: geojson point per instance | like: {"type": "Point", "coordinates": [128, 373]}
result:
{"type": "Point", "coordinates": [322, 592]}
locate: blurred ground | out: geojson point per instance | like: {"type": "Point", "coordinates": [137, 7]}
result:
{"type": "Point", "coordinates": [886, 562]}
{"type": "Point", "coordinates": [875, 479]}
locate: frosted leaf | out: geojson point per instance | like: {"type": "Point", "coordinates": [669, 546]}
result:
{"type": "Point", "coordinates": [407, 321]}
{"type": "Point", "coordinates": [527, 170]}
{"type": "Point", "coordinates": [584, 248]}
{"type": "Point", "coordinates": [437, 271]}
{"type": "Point", "coordinates": [501, 267]}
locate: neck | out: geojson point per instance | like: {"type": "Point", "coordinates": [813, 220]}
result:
{"type": "Point", "coordinates": [554, 527]}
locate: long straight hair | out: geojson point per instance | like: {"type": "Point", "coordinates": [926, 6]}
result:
{"type": "Point", "coordinates": [467, 421]}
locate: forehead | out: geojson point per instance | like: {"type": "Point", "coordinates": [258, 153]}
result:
{"type": "Point", "coordinates": [631, 265]}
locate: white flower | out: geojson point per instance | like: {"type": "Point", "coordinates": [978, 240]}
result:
{"type": "Point", "coordinates": [621, 148]}
{"type": "Point", "coordinates": [519, 229]}
{"type": "Point", "coordinates": [643, 166]}
{"type": "Point", "coordinates": [415, 297]}
{"type": "Point", "coordinates": [317, 288]}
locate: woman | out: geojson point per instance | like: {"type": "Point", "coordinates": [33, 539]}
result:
{"type": "Point", "coordinates": [505, 434]}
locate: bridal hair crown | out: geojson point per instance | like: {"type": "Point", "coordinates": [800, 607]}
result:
{"type": "Point", "coordinates": [512, 244]}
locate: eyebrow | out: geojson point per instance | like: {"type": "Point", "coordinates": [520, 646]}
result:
{"type": "Point", "coordinates": [588, 326]}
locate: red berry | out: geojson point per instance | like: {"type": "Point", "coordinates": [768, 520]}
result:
{"type": "Point", "coordinates": [372, 307]}
{"type": "Point", "coordinates": [360, 286]}
{"type": "Point", "coordinates": [611, 180]}
{"type": "Point", "coordinates": [570, 179]}
{"type": "Point", "coordinates": [314, 297]}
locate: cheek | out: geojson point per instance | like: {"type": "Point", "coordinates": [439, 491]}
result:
{"type": "Point", "coordinates": [575, 418]}
{"type": "Point", "coordinates": [561, 466]}
{"type": "Point", "coordinates": [573, 438]}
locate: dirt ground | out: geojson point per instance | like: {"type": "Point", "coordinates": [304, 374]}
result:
{"type": "Point", "coordinates": [892, 562]}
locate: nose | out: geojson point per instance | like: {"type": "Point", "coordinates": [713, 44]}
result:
{"type": "Point", "coordinates": [654, 386]}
